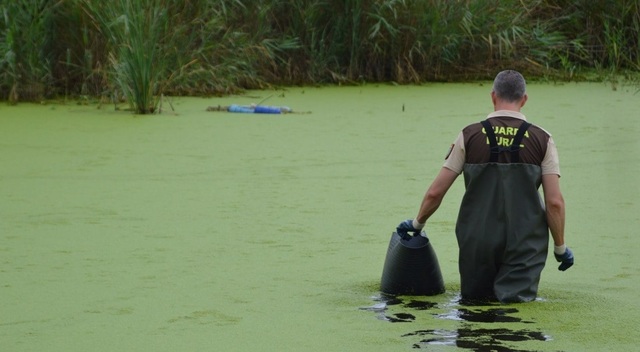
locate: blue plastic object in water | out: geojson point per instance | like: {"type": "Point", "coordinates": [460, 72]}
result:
{"type": "Point", "coordinates": [242, 109]}
{"type": "Point", "coordinates": [261, 109]}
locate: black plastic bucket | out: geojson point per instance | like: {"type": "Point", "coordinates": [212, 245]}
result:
{"type": "Point", "coordinates": [411, 268]}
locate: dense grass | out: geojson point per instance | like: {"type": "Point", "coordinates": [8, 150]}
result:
{"type": "Point", "coordinates": [139, 50]}
{"type": "Point", "coordinates": [25, 43]}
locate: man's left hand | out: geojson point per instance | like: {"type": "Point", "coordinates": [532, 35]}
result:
{"type": "Point", "coordinates": [565, 259]}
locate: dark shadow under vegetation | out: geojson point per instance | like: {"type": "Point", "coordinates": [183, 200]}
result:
{"type": "Point", "coordinates": [138, 51]}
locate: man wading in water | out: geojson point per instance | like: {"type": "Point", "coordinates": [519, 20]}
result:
{"type": "Point", "coordinates": [503, 226]}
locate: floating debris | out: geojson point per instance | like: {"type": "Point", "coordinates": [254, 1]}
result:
{"type": "Point", "coordinates": [254, 109]}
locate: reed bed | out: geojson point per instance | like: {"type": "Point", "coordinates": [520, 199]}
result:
{"type": "Point", "coordinates": [139, 50]}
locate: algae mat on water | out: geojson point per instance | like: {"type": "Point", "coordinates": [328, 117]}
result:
{"type": "Point", "coordinates": [210, 231]}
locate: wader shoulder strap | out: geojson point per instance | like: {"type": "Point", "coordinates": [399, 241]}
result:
{"type": "Point", "coordinates": [515, 145]}
{"type": "Point", "coordinates": [493, 144]}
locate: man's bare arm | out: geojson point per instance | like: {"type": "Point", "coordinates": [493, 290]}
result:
{"type": "Point", "coordinates": [436, 192]}
{"type": "Point", "coordinates": [555, 207]}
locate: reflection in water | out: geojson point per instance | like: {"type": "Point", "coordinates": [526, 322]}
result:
{"type": "Point", "coordinates": [494, 315]}
{"type": "Point", "coordinates": [468, 336]}
{"type": "Point", "coordinates": [477, 339]}
{"type": "Point", "coordinates": [389, 300]}
{"type": "Point", "coordinates": [381, 308]}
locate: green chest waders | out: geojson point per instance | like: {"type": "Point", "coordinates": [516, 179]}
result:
{"type": "Point", "coordinates": [501, 230]}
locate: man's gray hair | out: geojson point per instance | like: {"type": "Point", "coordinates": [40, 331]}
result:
{"type": "Point", "coordinates": [509, 85]}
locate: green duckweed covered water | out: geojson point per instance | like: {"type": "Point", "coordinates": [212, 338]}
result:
{"type": "Point", "coordinates": [208, 231]}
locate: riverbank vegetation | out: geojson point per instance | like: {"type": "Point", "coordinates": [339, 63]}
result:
{"type": "Point", "coordinates": [140, 50]}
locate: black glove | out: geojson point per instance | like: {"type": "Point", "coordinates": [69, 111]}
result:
{"type": "Point", "coordinates": [565, 259]}
{"type": "Point", "coordinates": [407, 226]}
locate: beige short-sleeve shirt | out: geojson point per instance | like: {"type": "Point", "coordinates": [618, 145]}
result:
{"type": "Point", "coordinates": [455, 160]}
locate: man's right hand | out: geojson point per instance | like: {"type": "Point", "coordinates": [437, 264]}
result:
{"type": "Point", "coordinates": [407, 226]}
{"type": "Point", "coordinates": [565, 259]}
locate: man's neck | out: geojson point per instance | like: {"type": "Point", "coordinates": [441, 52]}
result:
{"type": "Point", "coordinates": [508, 106]}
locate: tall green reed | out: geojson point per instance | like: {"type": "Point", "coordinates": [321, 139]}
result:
{"type": "Point", "coordinates": [135, 31]}
{"type": "Point", "coordinates": [144, 49]}
{"type": "Point", "coordinates": [25, 37]}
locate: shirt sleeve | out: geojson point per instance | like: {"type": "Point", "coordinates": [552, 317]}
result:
{"type": "Point", "coordinates": [551, 163]}
{"type": "Point", "coordinates": [454, 160]}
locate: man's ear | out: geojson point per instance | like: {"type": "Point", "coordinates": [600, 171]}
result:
{"type": "Point", "coordinates": [524, 100]}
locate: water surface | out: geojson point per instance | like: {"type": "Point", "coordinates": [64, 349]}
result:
{"type": "Point", "coordinates": [198, 230]}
